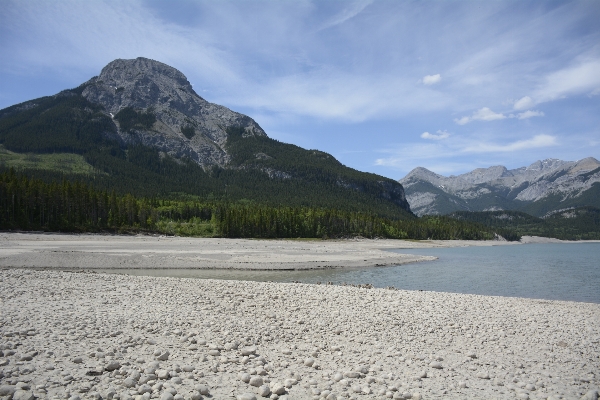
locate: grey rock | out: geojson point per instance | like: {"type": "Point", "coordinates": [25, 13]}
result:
{"type": "Point", "coordinates": [256, 381]}
{"type": "Point", "coordinates": [23, 395]}
{"type": "Point", "coordinates": [113, 365]}
{"type": "Point", "coordinates": [246, 396]}
{"type": "Point", "coordinates": [142, 84]}
{"type": "Point", "coordinates": [7, 390]}
{"type": "Point", "coordinates": [264, 391]}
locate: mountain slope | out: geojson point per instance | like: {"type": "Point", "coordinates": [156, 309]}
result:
{"type": "Point", "coordinates": [542, 187]}
{"type": "Point", "coordinates": [142, 129]}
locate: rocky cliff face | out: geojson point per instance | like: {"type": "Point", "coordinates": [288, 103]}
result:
{"type": "Point", "coordinates": [497, 188]}
{"type": "Point", "coordinates": [186, 125]}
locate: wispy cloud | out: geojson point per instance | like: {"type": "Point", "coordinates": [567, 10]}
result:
{"type": "Point", "coordinates": [352, 10]}
{"type": "Point", "coordinates": [440, 135]}
{"type": "Point", "coordinates": [535, 142]}
{"type": "Point", "coordinates": [529, 114]}
{"type": "Point", "coordinates": [483, 114]}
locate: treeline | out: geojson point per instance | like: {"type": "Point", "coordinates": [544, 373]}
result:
{"type": "Point", "coordinates": [32, 204]}
{"type": "Point", "coordinates": [581, 223]}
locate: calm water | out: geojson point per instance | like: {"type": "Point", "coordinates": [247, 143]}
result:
{"type": "Point", "coordinates": [544, 271]}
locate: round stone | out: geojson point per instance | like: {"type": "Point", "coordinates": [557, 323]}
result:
{"type": "Point", "coordinates": [264, 391]}
{"type": "Point", "coordinates": [256, 381]}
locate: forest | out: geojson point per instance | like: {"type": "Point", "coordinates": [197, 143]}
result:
{"type": "Point", "coordinates": [32, 204]}
{"type": "Point", "coordinates": [576, 223]}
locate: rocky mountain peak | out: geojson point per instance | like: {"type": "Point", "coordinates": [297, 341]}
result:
{"type": "Point", "coordinates": [186, 124]}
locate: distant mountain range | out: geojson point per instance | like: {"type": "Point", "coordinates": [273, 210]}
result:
{"type": "Point", "coordinates": [540, 189]}
{"type": "Point", "coordinates": [139, 127]}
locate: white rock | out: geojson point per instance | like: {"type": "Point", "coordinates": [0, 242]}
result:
{"type": "Point", "coordinates": [256, 381]}
{"type": "Point", "coordinates": [246, 396]}
{"type": "Point", "coordinates": [264, 391]}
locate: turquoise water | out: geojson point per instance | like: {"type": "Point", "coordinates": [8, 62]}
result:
{"type": "Point", "coordinates": [569, 271]}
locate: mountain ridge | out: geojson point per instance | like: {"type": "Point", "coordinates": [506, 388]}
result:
{"type": "Point", "coordinates": [549, 181]}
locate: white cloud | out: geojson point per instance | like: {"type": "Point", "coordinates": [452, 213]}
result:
{"type": "Point", "coordinates": [583, 78]}
{"type": "Point", "coordinates": [431, 79]}
{"type": "Point", "coordinates": [440, 135]}
{"type": "Point", "coordinates": [463, 120]}
{"type": "Point", "coordinates": [523, 103]}
{"type": "Point", "coordinates": [535, 142]}
{"type": "Point", "coordinates": [483, 114]}
{"type": "Point", "coordinates": [529, 114]}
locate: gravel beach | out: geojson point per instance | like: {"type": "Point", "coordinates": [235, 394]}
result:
{"type": "Point", "coordinates": [69, 335]}
{"type": "Point", "coordinates": [68, 332]}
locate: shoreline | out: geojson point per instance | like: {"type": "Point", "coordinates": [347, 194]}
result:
{"type": "Point", "coordinates": [94, 335]}
{"type": "Point", "coordinates": [71, 251]}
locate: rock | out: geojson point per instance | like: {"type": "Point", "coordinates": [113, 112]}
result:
{"type": "Point", "coordinates": [423, 374]}
{"type": "Point", "coordinates": [462, 384]}
{"type": "Point", "coordinates": [7, 390]}
{"type": "Point", "coordinates": [129, 382]}
{"type": "Point", "coordinates": [176, 380]}
{"type": "Point", "coordinates": [435, 364]}
{"type": "Point", "coordinates": [163, 355]}
{"type": "Point", "coordinates": [246, 396]}
{"type": "Point", "coordinates": [483, 375]}
{"type": "Point", "coordinates": [23, 395]}
{"type": "Point", "coordinates": [337, 377]}
{"type": "Point", "coordinates": [352, 374]}
{"type": "Point", "coordinates": [264, 391]}
{"type": "Point", "coordinates": [590, 395]}
{"type": "Point", "coordinates": [244, 377]}
{"type": "Point", "coordinates": [256, 381]}
{"type": "Point", "coordinates": [288, 383]}
{"type": "Point", "coordinates": [309, 362]}
{"type": "Point", "coordinates": [246, 351]}
{"type": "Point", "coordinates": [112, 365]}
{"type": "Point", "coordinates": [195, 396]}
{"type": "Point", "coordinates": [203, 389]}
{"type": "Point", "coordinates": [144, 389]}
{"type": "Point", "coordinates": [166, 396]}
{"type": "Point", "coordinates": [188, 368]}
{"type": "Point", "coordinates": [278, 389]}
{"type": "Point", "coordinates": [162, 374]}
{"type": "Point", "coordinates": [78, 360]}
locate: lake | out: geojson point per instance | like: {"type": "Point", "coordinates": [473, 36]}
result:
{"type": "Point", "coordinates": [556, 271]}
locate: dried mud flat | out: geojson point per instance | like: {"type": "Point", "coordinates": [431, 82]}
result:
{"type": "Point", "coordinates": [30, 250]}
{"type": "Point", "coordinates": [67, 335]}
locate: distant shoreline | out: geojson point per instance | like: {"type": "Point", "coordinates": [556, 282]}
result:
{"type": "Point", "coordinates": [95, 251]}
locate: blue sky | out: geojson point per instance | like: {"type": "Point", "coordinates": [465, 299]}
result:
{"type": "Point", "coordinates": [385, 86]}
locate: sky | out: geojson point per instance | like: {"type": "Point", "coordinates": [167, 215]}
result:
{"type": "Point", "coordinates": [384, 86]}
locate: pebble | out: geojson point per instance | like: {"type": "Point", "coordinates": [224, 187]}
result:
{"type": "Point", "coordinates": [384, 352]}
{"type": "Point", "coordinates": [256, 381]}
{"type": "Point", "coordinates": [246, 396]}
{"type": "Point", "coordinates": [264, 391]}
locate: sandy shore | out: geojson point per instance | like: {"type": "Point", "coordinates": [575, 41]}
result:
{"type": "Point", "coordinates": [30, 250]}
{"type": "Point", "coordinates": [69, 335]}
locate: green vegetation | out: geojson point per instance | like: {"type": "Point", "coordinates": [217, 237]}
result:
{"type": "Point", "coordinates": [291, 176]}
{"type": "Point", "coordinates": [130, 119]}
{"type": "Point", "coordinates": [61, 162]}
{"type": "Point", "coordinates": [581, 223]}
{"type": "Point", "coordinates": [32, 204]}
{"type": "Point", "coordinates": [188, 131]}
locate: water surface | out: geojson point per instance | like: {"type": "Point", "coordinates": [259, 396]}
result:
{"type": "Point", "coordinates": [553, 271]}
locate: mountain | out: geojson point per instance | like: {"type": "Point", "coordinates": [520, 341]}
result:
{"type": "Point", "coordinates": [140, 128]}
{"type": "Point", "coordinates": [541, 188]}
